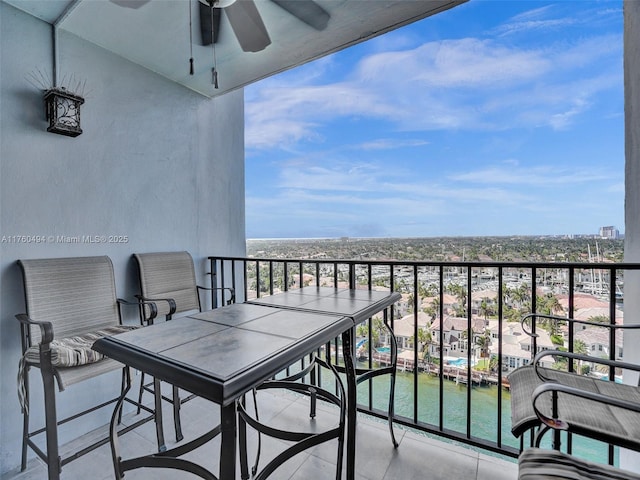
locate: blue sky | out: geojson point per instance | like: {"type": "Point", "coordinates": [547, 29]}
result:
{"type": "Point", "coordinates": [492, 118]}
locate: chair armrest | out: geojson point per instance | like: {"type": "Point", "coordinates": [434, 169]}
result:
{"type": "Point", "coordinates": [44, 347]}
{"type": "Point", "coordinates": [524, 322]}
{"type": "Point", "coordinates": [46, 328]}
{"type": "Point", "coordinates": [231, 290]}
{"type": "Point", "coordinates": [170, 301]}
{"type": "Point", "coordinates": [558, 423]}
{"type": "Point", "coordinates": [578, 356]}
{"type": "Point", "coordinates": [153, 309]}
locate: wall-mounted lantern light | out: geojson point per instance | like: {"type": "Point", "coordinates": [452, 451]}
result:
{"type": "Point", "coordinates": [63, 111]}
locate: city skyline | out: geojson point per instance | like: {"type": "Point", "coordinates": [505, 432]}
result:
{"type": "Point", "coordinates": [492, 118]}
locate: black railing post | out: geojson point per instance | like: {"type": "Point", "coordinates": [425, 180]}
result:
{"type": "Point", "coordinates": [301, 272]}
{"type": "Point", "coordinates": [257, 279]}
{"type": "Point", "coordinates": [441, 352]}
{"type": "Point", "coordinates": [353, 282]}
{"type": "Point", "coordinates": [416, 336]}
{"type": "Point", "coordinates": [213, 269]}
{"type": "Point", "coordinates": [534, 306]}
{"type": "Point", "coordinates": [500, 323]}
{"type": "Point", "coordinates": [469, 347]}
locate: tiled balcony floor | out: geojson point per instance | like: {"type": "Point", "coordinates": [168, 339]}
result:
{"type": "Point", "coordinates": [418, 456]}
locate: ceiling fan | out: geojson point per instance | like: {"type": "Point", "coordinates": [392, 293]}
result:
{"type": "Point", "coordinates": [247, 24]}
{"type": "Point", "coordinates": [245, 19]}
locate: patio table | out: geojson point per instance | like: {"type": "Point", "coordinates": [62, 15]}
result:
{"type": "Point", "coordinates": [223, 353]}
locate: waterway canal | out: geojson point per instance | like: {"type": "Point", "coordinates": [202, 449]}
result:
{"type": "Point", "coordinates": [484, 412]}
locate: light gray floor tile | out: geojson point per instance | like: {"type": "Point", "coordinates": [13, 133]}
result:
{"type": "Point", "coordinates": [492, 468]}
{"type": "Point", "coordinates": [419, 456]}
{"type": "Point", "coordinates": [416, 460]}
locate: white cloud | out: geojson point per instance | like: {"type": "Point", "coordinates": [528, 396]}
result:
{"type": "Point", "coordinates": [540, 176]}
{"type": "Point", "coordinates": [356, 178]}
{"type": "Point", "coordinates": [451, 64]}
{"type": "Point", "coordinates": [391, 143]}
{"type": "Point", "coordinates": [452, 84]}
{"type": "Point", "coordinates": [557, 17]}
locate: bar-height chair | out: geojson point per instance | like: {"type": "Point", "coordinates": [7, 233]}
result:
{"type": "Point", "coordinates": [168, 280]}
{"type": "Point", "coordinates": [567, 401]}
{"type": "Point", "coordinates": [295, 383]}
{"type": "Point", "coordinates": [364, 374]}
{"type": "Point", "coordinates": [70, 303]}
{"type": "Point", "coordinates": [302, 440]}
{"type": "Point", "coordinates": [537, 463]}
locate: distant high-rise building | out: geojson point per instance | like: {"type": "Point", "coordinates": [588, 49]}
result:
{"type": "Point", "coordinates": [609, 232]}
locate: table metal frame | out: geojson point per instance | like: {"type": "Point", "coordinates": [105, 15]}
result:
{"type": "Point", "coordinates": [154, 351]}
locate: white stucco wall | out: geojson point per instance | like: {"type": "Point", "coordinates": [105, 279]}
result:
{"type": "Point", "coordinates": [156, 162]}
{"type": "Point", "coordinates": [628, 460]}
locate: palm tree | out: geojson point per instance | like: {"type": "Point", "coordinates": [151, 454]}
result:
{"type": "Point", "coordinates": [424, 338]}
{"type": "Point", "coordinates": [485, 308]}
{"type": "Point", "coordinates": [362, 330]}
{"type": "Point", "coordinates": [433, 309]}
{"type": "Point", "coordinates": [379, 329]}
{"type": "Point", "coordinates": [581, 348]}
{"type": "Point", "coordinates": [493, 363]}
{"type": "Point", "coordinates": [484, 341]}
{"type": "Point", "coordinates": [551, 304]}
{"type": "Point", "coordinates": [521, 296]}
{"type": "Point", "coordinates": [460, 293]}
{"type": "Point", "coordinates": [507, 293]}
{"type": "Point", "coordinates": [464, 335]}
{"type": "Point", "coordinates": [511, 314]}
{"type": "Point", "coordinates": [599, 319]}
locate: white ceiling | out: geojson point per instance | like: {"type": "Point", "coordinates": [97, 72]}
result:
{"type": "Point", "coordinates": [156, 35]}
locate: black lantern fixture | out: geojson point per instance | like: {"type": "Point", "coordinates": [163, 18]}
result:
{"type": "Point", "coordinates": [63, 111]}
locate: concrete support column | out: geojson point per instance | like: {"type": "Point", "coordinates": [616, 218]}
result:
{"type": "Point", "coordinates": [631, 460]}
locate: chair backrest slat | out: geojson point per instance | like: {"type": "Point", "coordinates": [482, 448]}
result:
{"type": "Point", "coordinates": [77, 295]}
{"type": "Point", "coordinates": [169, 275]}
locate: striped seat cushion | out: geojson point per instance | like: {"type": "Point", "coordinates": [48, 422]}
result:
{"type": "Point", "coordinates": [541, 464]}
{"type": "Point", "coordinates": [76, 350]}
{"type": "Point", "coordinates": [66, 352]}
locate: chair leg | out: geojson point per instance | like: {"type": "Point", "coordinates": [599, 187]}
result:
{"type": "Point", "coordinates": [254, 469]}
{"type": "Point", "coordinates": [140, 392]}
{"type": "Point", "coordinates": [391, 410]}
{"type": "Point", "coordinates": [242, 444]}
{"type": "Point", "coordinates": [392, 386]}
{"type": "Point", "coordinates": [25, 420]}
{"type": "Point", "coordinates": [340, 457]}
{"type": "Point", "coordinates": [176, 414]}
{"type": "Point", "coordinates": [54, 465]}
{"type": "Point", "coordinates": [157, 394]}
{"type": "Point", "coordinates": [313, 401]}
{"type": "Point", "coordinates": [125, 384]}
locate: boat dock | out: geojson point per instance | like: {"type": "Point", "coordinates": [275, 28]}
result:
{"type": "Point", "coordinates": [458, 374]}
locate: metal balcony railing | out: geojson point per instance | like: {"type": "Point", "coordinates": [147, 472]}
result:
{"type": "Point", "coordinates": [455, 314]}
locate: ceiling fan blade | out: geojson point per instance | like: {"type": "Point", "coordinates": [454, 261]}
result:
{"type": "Point", "coordinates": [130, 3]}
{"type": "Point", "coordinates": [208, 16]}
{"type": "Point", "coordinates": [307, 11]}
{"type": "Point", "coordinates": [248, 25]}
